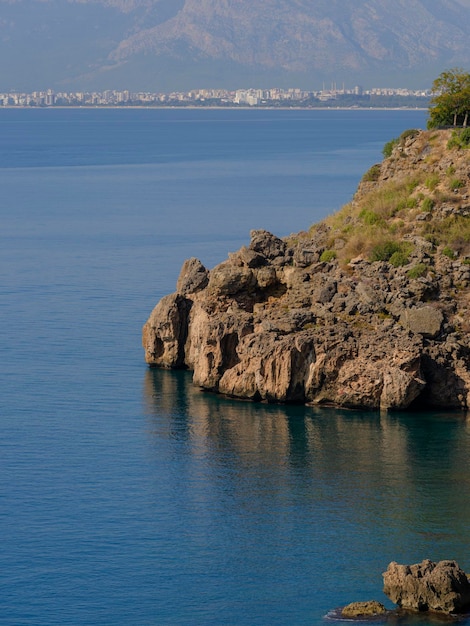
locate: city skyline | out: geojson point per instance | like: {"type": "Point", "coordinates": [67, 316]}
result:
{"type": "Point", "coordinates": [249, 96]}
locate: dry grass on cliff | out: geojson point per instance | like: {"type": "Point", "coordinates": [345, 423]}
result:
{"type": "Point", "coordinates": [451, 234]}
{"type": "Point", "coordinates": [408, 194]}
{"type": "Point", "coordinates": [380, 215]}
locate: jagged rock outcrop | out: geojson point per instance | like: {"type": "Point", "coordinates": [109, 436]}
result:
{"type": "Point", "coordinates": [428, 586]}
{"type": "Point", "coordinates": [370, 308]}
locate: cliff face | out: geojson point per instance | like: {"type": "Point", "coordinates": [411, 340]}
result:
{"type": "Point", "coordinates": [370, 308]}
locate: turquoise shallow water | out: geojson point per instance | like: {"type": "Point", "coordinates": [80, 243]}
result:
{"type": "Point", "coordinates": [126, 495]}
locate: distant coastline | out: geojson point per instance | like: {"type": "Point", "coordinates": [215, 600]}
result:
{"type": "Point", "coordinates": [214, 107]}
{"type": "Point", "coordinates": [381, 98]}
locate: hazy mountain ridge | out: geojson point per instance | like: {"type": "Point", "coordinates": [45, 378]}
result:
{"type": "Point", "coordinates": [186, 43]}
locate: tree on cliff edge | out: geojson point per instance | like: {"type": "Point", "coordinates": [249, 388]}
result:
{"type": "Point", "coordinates": [450, 104]}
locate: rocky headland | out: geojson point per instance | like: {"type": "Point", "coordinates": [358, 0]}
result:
{"type": "Point", "coordinates": [368, 309]}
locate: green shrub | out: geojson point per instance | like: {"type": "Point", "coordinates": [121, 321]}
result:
{"type": "Point", "coordinates": [456, 183]}
{"type": "Point", "coordinates": [372, 174]}
{"type": "Point", "coordinates": [427, 205]}
{"type": "Point", "coordinates": [459, 139]}
{"type": "Point", "coordinates": [411, 184]}
{"type": "Point", "coordinates": [432, 238]}
{"type": "Point", "coordinates": [452, 233]}
{"type": "Point", "coordinates": [453, 141]}
{"type": "Point", "coordinates": [399, 258]}
{"type": "Point", "coordinates": [327, 256]}
{"type": "Point", "coordinates": [384, 250]}
{"type": "Point", "coordinates": [448, 252]}
{"type": "Point", "coordinates": [388, 147]}
{"type": "Point", "coordinates": [465, 137]}
{"type": "Point", "coordinates": [411, 132]}
{"type": "Point", "coordinates": [417, 271]}
{"type": "Point", "coordinates": [370, 217]}
{"type": "Point", "coordinates": [432, 182]}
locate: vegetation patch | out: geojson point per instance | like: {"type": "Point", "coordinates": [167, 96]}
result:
{"type": "Point", "coordinates": [375, 225]}
{"type": "Point", "coordinates": [391, 198]}
{"type": "Point", "coordinates": [370, 217]}
{"type": "Point", "coordinates": [450, 104]}
{"type": "Point", "coordinates": [417, 271]}
{"type": "Point", "coordinates": [453, 233]}
{"type": "Point", "coordinates": [399, 258]}
{"type": "Point", "coordinates": [459, 139]}
{"type": "Point", "coordinates": [372, 174]}
{"type": "Point", "coordinates": [390, 145]}
{"type": "Point", "coordinates": [447, 251]}
{"type": "Point", "coordinates": [427, 205]}
{"type": "Point", "coordinates": [432, 182]}
{"type": "Point", "coordinates": [407, 134]}
{"type": "Point", "coordinates": [328, 256]}
{"type": "Point", "coordinates": [456, 183]}
{"type": "Point", "coordinates": [386, 250]}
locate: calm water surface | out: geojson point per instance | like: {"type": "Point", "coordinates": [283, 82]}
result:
{"type": "Point", "coordinates": [127, 497]}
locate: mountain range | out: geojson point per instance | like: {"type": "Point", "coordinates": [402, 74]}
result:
{"type": "Point", "coordinates": [160, 45]}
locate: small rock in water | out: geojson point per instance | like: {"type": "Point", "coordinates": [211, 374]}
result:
{"type": "Point", "coordinates": [363, 609]}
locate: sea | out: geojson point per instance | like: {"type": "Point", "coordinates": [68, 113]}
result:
{"type": "Point", "coordinates": [128, 497]}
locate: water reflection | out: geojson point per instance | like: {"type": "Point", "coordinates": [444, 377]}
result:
{"type": "Point", "coordinates": [403, 478]}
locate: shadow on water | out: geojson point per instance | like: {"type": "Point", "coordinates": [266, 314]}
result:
{"type": "Point", "coordinates": [387, 458]}
{"type": "Point", "coordinates": [301, 436]}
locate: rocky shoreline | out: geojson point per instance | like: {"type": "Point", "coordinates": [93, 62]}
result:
{"type": "Point", "coordinates": [368, 309]}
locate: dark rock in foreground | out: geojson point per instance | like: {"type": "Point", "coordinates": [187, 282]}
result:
{"type": "Point", "coordinates": [428, 586]}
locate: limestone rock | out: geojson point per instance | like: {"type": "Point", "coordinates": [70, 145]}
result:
{"type": "Point", "coordinates": [428, 586]}
{"type": "Point", "coordinates": [212, 343]}
{"type": "Point", "coordinates": [425, 320]}
{"type": "Point", "coordinates": [271, 368]}
{"type": "Point", "coordinates": [249, 257]}
{"type": "Point", "coordinates": [164, 334]}
{"type": "Point", "coordinates": [352, 374]}
{"type": "Point", "coordinates": [228, 279]}
{"type": "Point", "coordinates": [267, 244]}
{"type": "Point", "coordinates": [193, 277]}
{"type": "Point", "coordinates": [363, 609]}
{"type": "Point", "coordinates": [284, 333]}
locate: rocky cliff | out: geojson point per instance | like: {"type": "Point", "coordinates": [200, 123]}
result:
{"type": "Point", "coordinates": [370, 308]}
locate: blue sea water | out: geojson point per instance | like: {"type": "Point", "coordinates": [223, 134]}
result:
{"type": "Point", "coordinates": [127, 496]}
